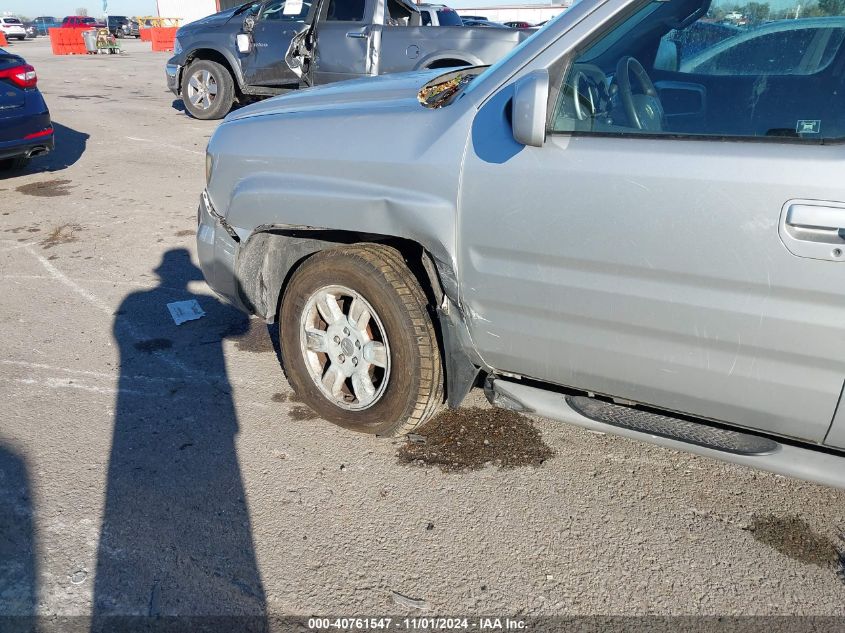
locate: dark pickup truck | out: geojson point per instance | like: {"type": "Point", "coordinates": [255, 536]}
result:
{"type": "Point", "coordinates": [268, 48]}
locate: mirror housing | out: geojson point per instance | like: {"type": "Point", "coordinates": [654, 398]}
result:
{"type": "Point", "coordinates": [244, 42]}
{"type": "Point", "coordinates": [528, 108]}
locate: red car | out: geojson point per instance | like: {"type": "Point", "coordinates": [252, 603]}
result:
{"type": "Point", "coordinates": [81, 22]}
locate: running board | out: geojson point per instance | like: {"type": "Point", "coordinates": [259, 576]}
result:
{"type": "Point", "coordinates": [723, 444]}
{"type": "Point", "coordinates": [673, 428]}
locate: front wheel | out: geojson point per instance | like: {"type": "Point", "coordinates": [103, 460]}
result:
{"type": "Point", "coordinates": [207, 90]}
{"type": "Point", "coordinates": [358, 344]}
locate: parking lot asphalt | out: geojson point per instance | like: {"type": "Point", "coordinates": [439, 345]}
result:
{"type": "Point", "coordinates": [148, 468]}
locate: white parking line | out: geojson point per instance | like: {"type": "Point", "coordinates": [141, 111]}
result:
{"type": "Point", "coordinates": [167, 145]}
{"type": "Point", "coordinates": [101, 305]}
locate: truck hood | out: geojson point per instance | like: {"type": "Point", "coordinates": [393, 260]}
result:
{"type": "Point", "coordinates": [371, 92]}
{"type": "Point", "coordinates": [215, 19]}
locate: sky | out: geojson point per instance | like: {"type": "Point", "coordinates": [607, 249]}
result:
{"type": "Point", "coordinates": [61, 8]}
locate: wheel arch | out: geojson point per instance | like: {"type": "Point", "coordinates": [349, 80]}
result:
{"type": "Point", "coordinates": [221, 57]}
{"type": "Point", "coordinates": [269, 258]}
{"type": "Point", "coordinates": [448, 59]}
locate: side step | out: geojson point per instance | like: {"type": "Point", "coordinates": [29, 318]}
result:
{"type": "Point", "coordinates": [664, 426]}
{"type": "Point", "coordinates": [802, 461]}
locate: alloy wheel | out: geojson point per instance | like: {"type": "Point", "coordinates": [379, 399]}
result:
{"type": "Point", "coordinates": [345, 347]}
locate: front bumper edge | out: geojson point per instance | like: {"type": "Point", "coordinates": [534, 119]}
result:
{"type": "Point", "coordinates": [174, 76]}
{"type": "Point", "coordinates": [218, 251]}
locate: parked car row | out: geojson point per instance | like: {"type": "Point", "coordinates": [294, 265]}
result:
{"type": "Point", "coordinates": [118, 25]}
{"type": "Point", "coordinates": [123, 26]}
{"type": "Point", "coordinates": [480, 20]}
{"type": "Point", "coordinates": [13, 29]}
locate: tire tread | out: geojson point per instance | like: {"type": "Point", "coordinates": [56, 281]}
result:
{"type": "Point", "coordinates": [391, 272]}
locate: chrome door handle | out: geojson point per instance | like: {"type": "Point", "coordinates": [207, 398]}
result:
{"type": "Point", "coordinates": [816, 217]}
{"type": "Point", "coordinates": [814, 229]}
{"type": "Point", "coordinates": [357, 36]}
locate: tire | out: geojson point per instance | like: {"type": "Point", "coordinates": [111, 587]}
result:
{"type": "Point", "coordinates": [199, 101]}
{"type": "Point", "coordinates": [409, 386]}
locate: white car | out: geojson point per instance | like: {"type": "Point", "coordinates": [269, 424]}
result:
{"type": "Point", "coordinates": [12, 28]}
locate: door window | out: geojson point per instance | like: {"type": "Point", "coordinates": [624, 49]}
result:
{"type": "Point", "coordinates": [286, 10]}
{"type": "Point", "coordinates": [397, 13]}
{"type": "Point", "coordinates": [345, 11]}
{"type": "Point", "coordinates": [448, 17]}
{"type": "Point", "coordinates": [692, 68]}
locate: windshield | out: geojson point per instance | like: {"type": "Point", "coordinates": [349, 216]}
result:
{"type": "Point", "coordinates": [252, 7]}
{"type": "Point", "coordinates": [448, 17]}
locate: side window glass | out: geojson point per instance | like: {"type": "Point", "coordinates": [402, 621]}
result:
{"type": "Point", "coordinates": [286, 10]}
{"type": "Point", "coordinates": [345, 11]}
{"type": "Point", "coordinates": [692, 68]}
{"type": "Point", "coordinates": [426, 18]}
{"type": "Point", "coordinates": [396, 14]}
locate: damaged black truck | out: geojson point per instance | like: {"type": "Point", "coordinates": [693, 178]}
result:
{"type": "Point", "coordinates": [267, 48]}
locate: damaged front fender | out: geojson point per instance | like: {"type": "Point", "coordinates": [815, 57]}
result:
{"type": "Point", "coordinates": [272, 254]}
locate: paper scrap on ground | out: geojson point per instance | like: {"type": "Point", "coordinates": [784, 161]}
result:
{"type": "Point", "coordinates": [182, 311]}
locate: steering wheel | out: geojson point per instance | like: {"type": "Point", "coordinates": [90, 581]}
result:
{"type": "Point", "coordinates": [645, 111]}
{"type": "Point", "coordinates": [585, 105]}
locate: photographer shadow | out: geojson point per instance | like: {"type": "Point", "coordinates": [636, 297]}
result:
{"type": "Point", "coordinates": [176, 541]}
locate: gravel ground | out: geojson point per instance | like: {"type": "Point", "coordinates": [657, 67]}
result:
{"type": "Point", "coordinates": [147, 468]}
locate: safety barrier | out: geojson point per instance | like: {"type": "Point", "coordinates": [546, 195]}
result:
{"type": "Point", "coordinates": [65, 41]}
{"type": "Point", "coordinates": [163, 38]}
{"type": "Point", "coordinates": [146, 33]}
{"type": "Point", "coordinates": [3, 41]}
{"type": "Point", "coordinates": [154, 21]}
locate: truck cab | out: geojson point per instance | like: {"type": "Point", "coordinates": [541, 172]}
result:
{"type": "Point", "coordinates": [271, 47]}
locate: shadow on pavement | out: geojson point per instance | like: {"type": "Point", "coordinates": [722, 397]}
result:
{"type": "Point", "coordinates": [176, 540]}
{"type": "Point", "coordinates": [18, 572]}
{"type": "Point", "coordinates": [70, 145]}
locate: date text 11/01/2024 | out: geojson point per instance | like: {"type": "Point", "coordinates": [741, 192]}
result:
{"type": "Point", "coordinates": [417, 624]}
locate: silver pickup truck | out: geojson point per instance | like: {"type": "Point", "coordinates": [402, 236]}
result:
{"type": "Point", "coordinates": [634, 222]}
{"type": "Point", "coordinates": [271, 47]}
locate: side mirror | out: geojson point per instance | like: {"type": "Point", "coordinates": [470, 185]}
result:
{"type": "Point", "coordinates": [530, 98]}
{"type": "Point", "coordinates": [244, 42]}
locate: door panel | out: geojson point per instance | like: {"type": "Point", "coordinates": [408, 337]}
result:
{"type": "Point", "coordinates": [276, 25]}
{"type": "Point", "coordinates": [342, 51]}
{"type": "Point", "coordinates": [345, 43]}
{"type": "Point", "coordinates": [652, 269]}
